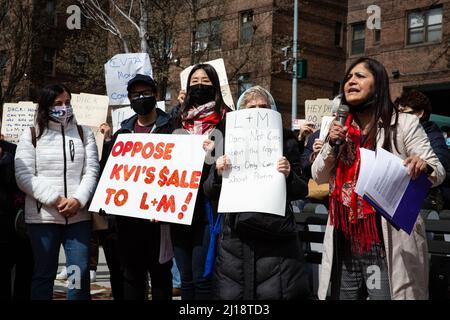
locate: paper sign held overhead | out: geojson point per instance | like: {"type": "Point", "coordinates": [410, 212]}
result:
{"type": "Point", "coordinates": [16, 118]}
{"type": "Point", "coordinates": [122, 68]}
{"type": "Point", "coordinates": [152, 176]}
{"type": "Point", "coordinates": [219, 65]}
{"type": "Point", "coordinates": [316, 109]}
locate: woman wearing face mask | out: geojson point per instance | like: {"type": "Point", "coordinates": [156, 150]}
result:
{"type": "Point", "coordinates": [202, 111]}
{"type": "Point", "coordinates": [267, 264]}
{"type": "Point", "coordinates": [57, 167]}
{"type": "Point", "coordinates": [370, 257]}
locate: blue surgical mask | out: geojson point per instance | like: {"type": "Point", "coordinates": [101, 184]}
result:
{"type": "Point", "coordinates": [61, 114]}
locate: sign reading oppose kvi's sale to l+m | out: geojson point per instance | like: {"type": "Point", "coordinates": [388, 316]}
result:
{"type": "Point", "coordinates": [152, 176]}
{"type": "Point", "coordinates": [254, 144]}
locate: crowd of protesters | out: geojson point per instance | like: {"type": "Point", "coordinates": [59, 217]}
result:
{"type": "Point", "coordinates": [51, 176]}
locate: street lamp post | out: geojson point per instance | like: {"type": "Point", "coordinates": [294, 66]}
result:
{"type": "Point", "coordinates": [294, 64]}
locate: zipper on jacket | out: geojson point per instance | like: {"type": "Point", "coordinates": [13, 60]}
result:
{"type": "Point", "coordinates": [72, 150]}
{"type": "Point", "coordinates": [65, 166]}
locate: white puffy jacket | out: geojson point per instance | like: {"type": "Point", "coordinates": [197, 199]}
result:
{"type": "Point", "coordinates": [60, 165]}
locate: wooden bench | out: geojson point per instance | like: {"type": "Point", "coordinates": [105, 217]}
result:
{"type": "Point", "coordinates": [438, 245]}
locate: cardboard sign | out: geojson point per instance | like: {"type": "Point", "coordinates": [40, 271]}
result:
{"type": "Point", "coordinates": [219, 65]}
{"type": "Point", "coordinates": [122, 68]}
{"type": "Point", "coordinates": [316, 109]}
{"type": "Point", "coordinates": [254, 143]}
{"type": "Point", "coordinates": [16, 118]}
{"type": "Point", "coordinates": [91, 110]}
{"type": "Point", "coordinates": [152, 176]}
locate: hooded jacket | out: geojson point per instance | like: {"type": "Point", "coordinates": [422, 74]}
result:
{"type": "Point", "coordinates": [258, 267]}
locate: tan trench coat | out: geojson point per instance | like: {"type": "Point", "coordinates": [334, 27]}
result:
{"type": "Point", "coordinates": [407, 255]}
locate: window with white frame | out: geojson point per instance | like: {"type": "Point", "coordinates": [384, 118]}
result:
{"type": "Point", "coordinates": [425, 26]}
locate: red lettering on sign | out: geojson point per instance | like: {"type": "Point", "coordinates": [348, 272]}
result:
{"type": "Point", "coordinates": [166, 204]}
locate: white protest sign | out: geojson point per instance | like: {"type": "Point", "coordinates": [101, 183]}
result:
{"type": "Point", "coordinates": [123, 113]}
{"type": "Point", "coordinates": [325, 126]}
{"type": "Point", "coordinates": [91, 110]}
{"type": "Point", "coordinates": [254, 143]}
{"type": "Point", "coordinates": [16, 118]}
{"type": "Point", "coordinates": [316, 109]}
{"type": "Point", "coordinates": [297, 124]}
{"type": "Point", "coordinates": [152, 176]}
{"type": "Point", "coordinates": [219, 65]}
{"type": "Point", "coordinates": [120, 114]}
{"type": "Point", "coordinates": [120, 69]}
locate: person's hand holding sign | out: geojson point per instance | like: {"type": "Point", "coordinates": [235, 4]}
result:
{"type": "Point", "coordinates": [284, 166]}
{"type": "Point", "coordinates": [223, 164]}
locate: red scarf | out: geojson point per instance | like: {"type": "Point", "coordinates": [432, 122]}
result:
{"type": "Point", "coordinates": [202, 119]}
{"type": "Point", "coordinates": [349, 212]}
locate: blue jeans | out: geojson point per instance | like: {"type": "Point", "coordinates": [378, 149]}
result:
{"type": "Point", "coordinates": [46, 240]}
{"type": "Point", "coordinates": [176, 279]}
{"type": "Point", "coordinates": [191, 248]}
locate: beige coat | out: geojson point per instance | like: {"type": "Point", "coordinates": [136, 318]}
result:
{"type": "Point", "coordinates": [407, 255]}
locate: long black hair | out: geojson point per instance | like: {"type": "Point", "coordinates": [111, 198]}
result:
{"type": "Point", "coordinates": [45, 102]}
{"type": "Point", "coordinates": [383, 108]}
{"type": "Point", "coordinates": [214, 78]}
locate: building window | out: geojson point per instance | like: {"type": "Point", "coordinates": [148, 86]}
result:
{"type": "Point", "coordinates": [358, 38]}
{"type": "Point", "coordinates": [49, 61]}
{"type": "Point", "coordinates": [208, 35]}
{"type": "Point", "coordinates": [50, 10]}
{"type": "Point", "coordinates": [244, 83]}
{"type": "Point", "coordinates": [338, 32]}
{"type": "Point", "coordinates": [377, 37]}
{"type": "Point", "coordinates": [425, 26]}
{"type": "Point", "coordinates": [246, 27]}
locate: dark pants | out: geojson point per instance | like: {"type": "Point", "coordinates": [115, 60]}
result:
{"type": "Point", "coordinates": [108, 240]}
{"type": "Point", "coordinates": [190, 248]}
{"type": "Point", "coordinates": [139, 242]}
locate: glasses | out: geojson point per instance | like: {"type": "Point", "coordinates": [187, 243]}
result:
{"type": "Point", "coordinates": [137, 94]}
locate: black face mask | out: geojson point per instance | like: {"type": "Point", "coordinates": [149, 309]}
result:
{"type": "Point", "coordinates": [143, 106]}
{"type": "Point", "coordinates": [201, 94]}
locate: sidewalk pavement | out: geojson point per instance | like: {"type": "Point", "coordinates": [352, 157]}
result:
{"type": "Point", "coordinates": [100, 289]}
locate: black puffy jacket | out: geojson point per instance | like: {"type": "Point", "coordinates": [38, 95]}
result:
{"type": "Point", "coordinates": [8, 190]}
{"type": "Point", "coordinates": [261, 268]}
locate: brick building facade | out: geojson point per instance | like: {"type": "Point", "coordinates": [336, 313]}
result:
{"type": "Point", "coordinates": [255, 58]}
{"type": "Point", "coordinates": [413, 45]}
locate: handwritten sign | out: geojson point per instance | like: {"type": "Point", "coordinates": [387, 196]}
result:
{"type": "Point", "coordinates": [316, 109]}
{"type": "Point", "coordinates": [91, 110]}
{"type": "Point", "coordinates": [254, 143]}
{"type": "Point", "coordinates": [16, 118]}
{"type": "Point", "coordinates": [122, 68]}
{"type": "Point", "coordinates": [325, 127]}
{"type": "Point", "coordinates": [219, 65]}
{"type": "Point", "coordinates": [152, 176]}
{"type": "Point", "coordinates": [297, 124]}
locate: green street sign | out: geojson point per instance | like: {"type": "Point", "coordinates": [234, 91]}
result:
{"type": "Point", "coordinates": [302, 67]}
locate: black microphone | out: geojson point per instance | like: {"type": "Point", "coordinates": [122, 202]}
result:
{"type": "Point", "coordinates": [342, 114]}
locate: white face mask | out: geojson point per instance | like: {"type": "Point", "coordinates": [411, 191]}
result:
{"type": "Point", "coordinates": [61, 114]}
